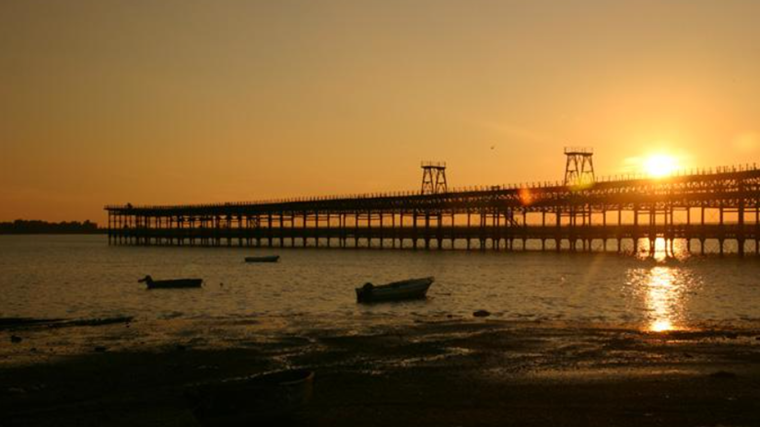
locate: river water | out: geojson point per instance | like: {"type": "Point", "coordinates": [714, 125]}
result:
{"type": "Point", "coordinates": [83, 277]}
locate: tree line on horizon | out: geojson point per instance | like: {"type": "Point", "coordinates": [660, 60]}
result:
{"type": "Point", "coordinates": [21, 226]}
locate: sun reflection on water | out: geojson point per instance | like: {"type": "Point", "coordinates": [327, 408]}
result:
{"type": "Point", "coordinates": [664, 250]}
{"type": "Point", "coordinates": [663, 299]}
{"type": "Point", "coordinates": [661, 326]}
{"type": "Point", "coordinates": [664, 287]}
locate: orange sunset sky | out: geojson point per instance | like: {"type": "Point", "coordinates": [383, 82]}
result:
{"type": "Point", "coordinates": [184, 101]}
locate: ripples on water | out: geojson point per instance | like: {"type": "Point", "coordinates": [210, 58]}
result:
{"type": "Point", "coordinates": [81, 276]}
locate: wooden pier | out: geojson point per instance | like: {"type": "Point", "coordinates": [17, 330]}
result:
{"type": "Point", "coordinates": [720, 205]}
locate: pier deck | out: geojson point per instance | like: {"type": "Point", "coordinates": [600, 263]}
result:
{"type": "Point", "coordinates": [721, 205]}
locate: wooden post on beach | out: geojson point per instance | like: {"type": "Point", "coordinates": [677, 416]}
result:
{"type": "Point", "coordinates": [722, 229]}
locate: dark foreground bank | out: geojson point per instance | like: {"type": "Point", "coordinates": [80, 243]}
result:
{"type": "Point", "coordinates": [457, 373]}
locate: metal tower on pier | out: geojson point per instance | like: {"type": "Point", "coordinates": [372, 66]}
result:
{"type": "Point", "coordinates": [434, 178]}
{"type": "Point", "coordinates": [579, 168]}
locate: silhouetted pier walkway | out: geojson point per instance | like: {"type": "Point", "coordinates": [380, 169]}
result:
{"type": "Point", "coordinates": [720, 205]}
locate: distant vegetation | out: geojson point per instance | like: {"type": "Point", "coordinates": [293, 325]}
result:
{"type": "Point", "coordinates": [42, 227]}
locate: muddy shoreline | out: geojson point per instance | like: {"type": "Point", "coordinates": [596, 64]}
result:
{"type": "Point", "coordinates": [454, 372]}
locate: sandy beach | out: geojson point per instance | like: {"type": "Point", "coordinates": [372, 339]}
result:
{"type": "Point", "coordinates": [452, 372]}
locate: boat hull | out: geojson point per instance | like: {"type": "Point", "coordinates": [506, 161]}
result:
{"type": "Point", "coordinates": [259, 400]}
{"type": "Point", "coordinates": [273, 258]}
{"type": "Point", "coordinates": [175, 284]}
{"type": "Point", "coordinates": [397, 291]}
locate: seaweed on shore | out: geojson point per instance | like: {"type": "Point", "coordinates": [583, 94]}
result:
{"type": "Point", "coordinates": [24, 322]}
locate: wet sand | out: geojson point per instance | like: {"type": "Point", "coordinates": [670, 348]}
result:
{"type": "Point", "coordinates": [459, 372]}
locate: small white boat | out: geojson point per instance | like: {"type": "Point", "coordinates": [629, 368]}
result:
{"type": "Point", "coordinates": [271, 258]}
{"type": "Point", "coordinates": [396, 291]}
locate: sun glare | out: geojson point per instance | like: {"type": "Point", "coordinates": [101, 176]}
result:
{"type": "Point", "coordinates": [660, 165]}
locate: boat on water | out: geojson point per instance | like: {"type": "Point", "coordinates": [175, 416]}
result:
{"type": "Point", "coordinates": [271, 258]}
{"type": "Point", "coordinates": [396, 291]}
{"type": "Point", "coordinates": [171, 284]}
{"type": "Point", "coordinates": [266, 399]}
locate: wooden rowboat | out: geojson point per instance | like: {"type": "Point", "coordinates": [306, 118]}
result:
{"type": "Point", "coordinates": [396, 291]}
{"type": "Point", "coordinates": [267, 399]}
{"type": "Point", "coordinates": [171, 284]}
{"type": "Point", "coordinates": [272, 258]}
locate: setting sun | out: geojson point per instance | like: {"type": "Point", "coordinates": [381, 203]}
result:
{"type": "Point", "coordinates": [660, 165]}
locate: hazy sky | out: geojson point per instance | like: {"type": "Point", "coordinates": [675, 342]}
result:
{"type": "Point", "coordinates": [188, 101]}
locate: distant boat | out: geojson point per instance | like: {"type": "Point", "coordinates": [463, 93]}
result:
{"type": "Point", "coordinates": [272, 258]}
{"type": "Point", "coordinates": [396, 291]}
{"type": "Point", "coordinates": [171, 284]}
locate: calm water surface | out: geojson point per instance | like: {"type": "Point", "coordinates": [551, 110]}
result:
{"type": "Point", "coordinates": [82, 277]}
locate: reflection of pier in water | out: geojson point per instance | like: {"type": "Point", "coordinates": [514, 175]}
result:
{"type": "Point", "coordinates": [718, 205]}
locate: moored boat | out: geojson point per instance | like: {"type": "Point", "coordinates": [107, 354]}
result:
{"type": "Point", "coordinates": [171, 284]}
{"type": "Point", "coordinates": [396, 291]}
{"type": "Point", "coordinates": [271, 258]}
